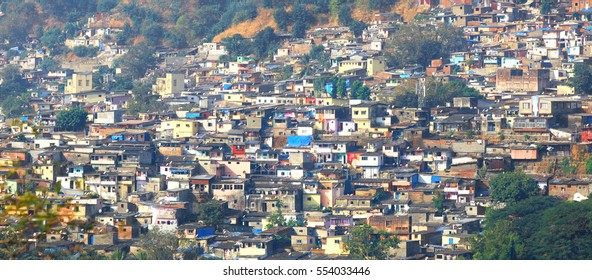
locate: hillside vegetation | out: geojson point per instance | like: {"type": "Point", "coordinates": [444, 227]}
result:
{"type": "Point", "coordinates": [180, 23]}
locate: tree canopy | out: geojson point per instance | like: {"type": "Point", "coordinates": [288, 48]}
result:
{"type": "Point", "coordinates": [73, 119]}
{"type": "Point", "coordinates": [364, 244]}
{"type": "Point", "coordinates": [418, 44]}
{"type": "Point", "coordinates": [539, 228]}
{"type": "Point", "coordinates": [159, 244]}
{"type": "Point", "coordinates": [512, 187]}
{"type": "Point", "coordinates": [138, 60]}
{"type": "Point", "coordinates": [210, 213]}
{"type": "Point", "coordinates": [437, 93]}
{"type": "Point", "coordinates": [581, 81]}
{"type": "Point", "coordinates": [143, 101]}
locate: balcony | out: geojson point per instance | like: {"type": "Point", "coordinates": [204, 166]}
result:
{"type": "Point", "coordinates": [465, 192]}
{"type": "Point", "coordinates": [451, 190]}
{"type": "Point", "coordinates": [103, 162]}
{"type": "Point", "coordinates": [322, 150]}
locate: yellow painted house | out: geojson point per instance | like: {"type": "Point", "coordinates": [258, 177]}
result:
{"type": "Point", "coordinates": [335, 245]}
{"type": "Point", "coordinates": [46, 171]}
{"type": "Point", "coordinates": [181, 127]}
{"type": "Point", "coordinates": [171, 84]}
{"type": "Point", "coordinates": [371, 65]}
{"type": "Point", "coordinates": [79, 82]}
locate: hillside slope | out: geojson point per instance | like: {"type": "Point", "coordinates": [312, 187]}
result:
{"type": "Point", "coordinates": [250, 27]}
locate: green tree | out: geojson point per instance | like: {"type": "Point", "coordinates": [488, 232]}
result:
{"type": "Point", "coordinates": [567, 167]}
{"type": "Point", "coordinates": [318, 53]}
{"type": "Point", "coordinates": [302, 20]}
{"type": "Point", "coordinates": [159, 244]}
{"type": "Point", "coordinates": [21, 138]}
{"type": "Point", "coordinates": [438, 201]}
{"type": "Point", "coordinates": [363, 93]}
{"type": "Point", "coordinates": [122, 83]}
{"type": "Point", "coordinates": [299, 29]}
{"type": "Point", "coordinates": [21, 231]}
{"type": "Point", "coordinates": [539, 227]}
{"type": "Point", "coordinates": [589, 165]}
{"type": "Point", "coordinates": [15, 106]}
{"type": "Point", "coordinates": [71, 30]}
{"type": "Point", "coordinates": [246, 13]}
{"type": "Point", "coordinates": [416, 44]}
{"type": "Point", "coordinates": [581, 79]}
{"type": "Point", "coordinates": [118, 255]}
{"type": "Point", "coordinates": [210, 213]}
{"type": "Point", "coordinates": [355, 88]}
{"type": "Point", "coordinates": [319, 84]}
{"type": "Point", "coordinates": [498, 242]}
{"type": "Point", "coordinates": [106, 5]}
{"type": "Point", "coordinates": [265, 43]}
{"type": "Point", "coordinates": [84, 51]}
{"type": "Point", "coordinates": [287, 72]}
{"type": "Point", "coordinates": [276, 219]}
{"type": "Point", "coordinates": [364, 244]}
{"type": "Point", "coordinates": [437, 93]}
{"type": "Point", "coordinates": [52, 39]}
{"type": "Point", "coordinates": [282, 19]}
{"type": "Point", "coordinates": [357, 27]}
{"type": "Point", "coordinates": [152, 32]}
{"type": "Point", "coordinates": [344, 17]}
{"type": "Point", "coordinates": [57, 187]}
{"type": "Point", "coordinates": [73, 119]}
{"type": "Point", "coordinates": [50, 64]}
{"type": "Point", "coordinates": [511, 187]}
{"type": "Point", "coordinates": [546, 6]}
{"type": "Point", "coordinates": [334, 7]}
{"type": "Point", "coordinates": [236, 45]}
{"type": "Point", "coordinates": [143, 101]}
{"type": "Point", "coordinates": [138, 60]}
{"type": "Point", "coordinates": [17, 22]}
{"type": "Point", "coordinates": [406, 99]}
{"type": "Point", "coordinates": [13, 82]}
{"type": "Point", "coordinates": [341, 88]}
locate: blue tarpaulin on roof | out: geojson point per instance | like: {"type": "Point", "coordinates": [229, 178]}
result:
{"type": "Point", "coordinates": [299, 141]}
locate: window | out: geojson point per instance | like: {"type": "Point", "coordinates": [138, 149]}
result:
{"type": "Point", "coordinates": [309, 199]}
{"type": "Point", "coordinates": [526, 106]}
{"type": "Point", "coordinates": [364, 158]}
{"type": "Point", "coordinates": [337, 241]}
{"type": "Point", "coordinates": [544, 105]}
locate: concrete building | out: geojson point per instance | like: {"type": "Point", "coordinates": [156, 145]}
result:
{"type": "Point", "coordinates": [171, 84]}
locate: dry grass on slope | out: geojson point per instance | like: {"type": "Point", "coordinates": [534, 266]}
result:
{"type": "Point", "coordinates": [251, 27]}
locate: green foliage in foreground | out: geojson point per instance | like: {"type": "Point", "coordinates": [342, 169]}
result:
{"type": "Point", "coordinates": [537, 228]}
